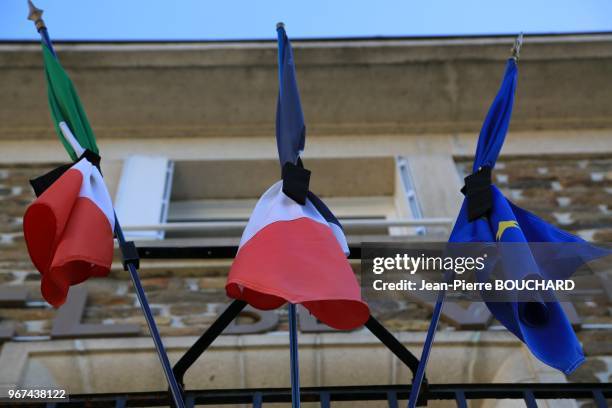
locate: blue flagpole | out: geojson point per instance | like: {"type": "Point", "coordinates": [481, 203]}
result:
{"type": "Point", "coordinates": [293, 335]}
{"type": "Point", "coordinates": [128, 250]}
{"type": "Point", "coordinates": [417, 381]}
{"type": "Point", "coordinates": [294, 358]}
{"type": "Point", "coordinates": [175, 390]}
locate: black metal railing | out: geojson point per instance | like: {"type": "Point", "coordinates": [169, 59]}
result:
{"type": "Point", "coordinates": [595, 393]}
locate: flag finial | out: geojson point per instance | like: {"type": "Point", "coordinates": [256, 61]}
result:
{"type": "Point", "coordinates": [35, 15]}
{"type": "Point", "coordinates": [516, 48]}
{"type": "Point", "coordinates": [280, 24]}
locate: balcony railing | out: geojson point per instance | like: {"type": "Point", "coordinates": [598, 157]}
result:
{"type": "Point", "coordinates": [596, 393]}
{"type": "Point", "coordinates": [240, 225]}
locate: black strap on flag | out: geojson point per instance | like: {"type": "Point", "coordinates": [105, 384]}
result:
{"type": "Point", "coordinates": [477, 191]}
{"type": "Point", "coordinates": [93, 158]}
{"type": "Point", "coordinates": [323, 209]}
{"type": "Point", "coordinates": [296, 180]}
{"type": "Point", "coordinates": [42, 183]}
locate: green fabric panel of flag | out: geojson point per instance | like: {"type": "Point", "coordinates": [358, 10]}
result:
{"type": "Point", "coordinates": [66, 106]}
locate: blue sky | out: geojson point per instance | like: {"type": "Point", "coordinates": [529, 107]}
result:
{"type": "Point", "coordinates": [256, 19]}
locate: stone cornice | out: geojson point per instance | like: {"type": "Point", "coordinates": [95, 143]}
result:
{"type": "Point", "coordinates": [349, 87]}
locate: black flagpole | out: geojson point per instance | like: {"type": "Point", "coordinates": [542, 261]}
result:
{"type": "Point", "coordinates": [128, 252]}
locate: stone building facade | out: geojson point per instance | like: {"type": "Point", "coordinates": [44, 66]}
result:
{"type": "Point", "coordinates": [391, 125]}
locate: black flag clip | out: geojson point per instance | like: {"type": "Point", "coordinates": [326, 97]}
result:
{"type": "Point", "coordinates": [296, 180]}
{"type": "Point", "coordinates": [42, 183]}
{"type": "Point", "coordinates": [93, 158]}
{"type": "Point", "coordinates": [477, 191]}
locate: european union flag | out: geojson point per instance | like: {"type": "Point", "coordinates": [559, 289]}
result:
{"type": "Point", "coordinates": [487, 216]}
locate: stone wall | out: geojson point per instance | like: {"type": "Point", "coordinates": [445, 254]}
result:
{"type": "Point", "coordinates": [574, 192]}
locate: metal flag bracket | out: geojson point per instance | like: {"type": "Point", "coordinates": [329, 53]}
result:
{"type": "Point", "coordinates": [237, 306]}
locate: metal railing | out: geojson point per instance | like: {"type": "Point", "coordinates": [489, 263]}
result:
{"type": "Point", "coordinates": [596, 393]}
{"type": "Point", "coordinates": [240, 225]}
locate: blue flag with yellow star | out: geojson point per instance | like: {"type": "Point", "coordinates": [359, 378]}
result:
{"type": "Point", "coordinates": [487, 216]}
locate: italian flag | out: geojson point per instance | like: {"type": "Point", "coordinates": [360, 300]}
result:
{"type": "Point", "coordinates": [69, 231]}
{"type": "Point", "coordinates": [69, 228]}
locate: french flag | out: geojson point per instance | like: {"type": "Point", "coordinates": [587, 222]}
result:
{"type": "Point", "coordinates": [293, 248]}
{"type": "Point", "coordinates": [69, 228]}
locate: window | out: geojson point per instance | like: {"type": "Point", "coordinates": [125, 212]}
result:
{"type": "Point", "coordinates": [374, 197]}
{"type": "Point", "coordinates": [143, 195]}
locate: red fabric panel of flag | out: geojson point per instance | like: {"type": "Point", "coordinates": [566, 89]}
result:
{"type": "Point", "coordinates": [68, 230]}
{"type": "Point", "coordinates": [290, 252]}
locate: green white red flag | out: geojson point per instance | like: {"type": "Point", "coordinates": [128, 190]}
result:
{"type": "Point", "coordinates": [69, 228]}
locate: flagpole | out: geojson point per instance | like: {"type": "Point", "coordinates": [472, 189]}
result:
{"type": "Point", "coordinates": [130, 260]}
{"type": "Point", "coordinates": [293, 335]}
{"type": "Point", "coordinates": [128, 249]}
{"type": "Point", "coordinates": [294, 358]}
{"type": "Point", "coordinates": [35, 14]}
{"type": "Point", "coordinates": [417, 381]}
